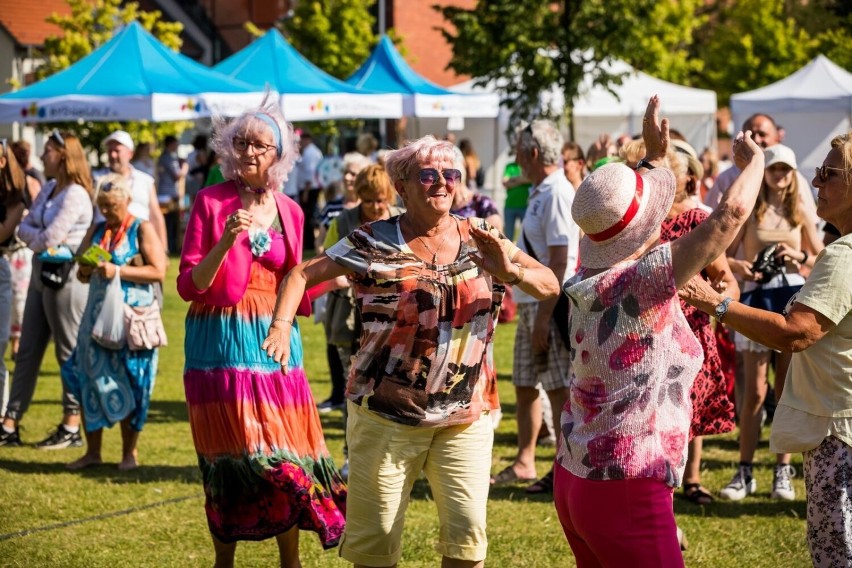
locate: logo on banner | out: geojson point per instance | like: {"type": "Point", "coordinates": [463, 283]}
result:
{"type": "Point", "coordinates": [33, 111]}
{"type": "Point", "coordinates": [319, 106]}
{"type": "Point", "coordinates": [191, 105]}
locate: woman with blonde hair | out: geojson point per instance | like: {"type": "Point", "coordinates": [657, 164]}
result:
{"type": "Point", "coordinates": [53, 229]}
{"type": "Point", "coordinates": [115, 385]}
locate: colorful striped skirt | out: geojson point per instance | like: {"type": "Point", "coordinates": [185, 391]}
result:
{"type": "Point", "coordinates": [263, 458]}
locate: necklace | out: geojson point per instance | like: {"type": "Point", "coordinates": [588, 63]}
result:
{"type": "Point", "coordinates": [435, 252]}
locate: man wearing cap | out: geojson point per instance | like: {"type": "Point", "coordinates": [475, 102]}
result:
{"type": "Point", "coordinates": [119, 147]}
{"type": "Point", "coordinates": [549, 235]}
{"type": "Point", "coordinates": [765, 133]}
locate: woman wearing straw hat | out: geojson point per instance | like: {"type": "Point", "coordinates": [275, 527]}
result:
{"type": "Point", "coordinates": [626, 423]}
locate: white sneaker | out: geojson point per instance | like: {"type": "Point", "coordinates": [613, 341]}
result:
{"type": "Point", "coordinates": [782, 482]}
{"type": "Point", "coordinates": [344, 471]}
{"type": "Point", "coordinates": [741, 484]}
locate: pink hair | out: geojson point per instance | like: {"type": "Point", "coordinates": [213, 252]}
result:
{"type": "Point", "coordinates": [400, 163]}
{"type": "Point", "coordinates": [249, 125]}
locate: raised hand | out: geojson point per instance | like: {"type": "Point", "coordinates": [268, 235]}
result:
{"type": "Point", "coordinates": [491, 256]}
{"type": "Point", "coordinates": [234, 225]}
{"type": "Point", "coordinates": [745, 149]}
{"type": "Point", "coordinates": [654, 133]}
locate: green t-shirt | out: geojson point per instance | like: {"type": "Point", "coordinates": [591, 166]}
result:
{"type": "Point", "coordinates": [516, 197]}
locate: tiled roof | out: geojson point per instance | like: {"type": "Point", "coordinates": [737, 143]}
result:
{"type": "Point", "coordinates": [24, 19]}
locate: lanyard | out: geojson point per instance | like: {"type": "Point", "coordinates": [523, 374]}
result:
{"type": "Point", "coordinates": [110, 241]}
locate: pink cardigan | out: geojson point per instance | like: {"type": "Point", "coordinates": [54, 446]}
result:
{"type": "Point", "coordinates": [206, 225]}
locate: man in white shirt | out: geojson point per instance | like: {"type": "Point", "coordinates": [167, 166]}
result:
{"type": "Point", "coordinates": [550, 235]}
{"type": "Point", "coordinates": [143, 205]}
{"type": "Point", "coordinates": [309, 188]}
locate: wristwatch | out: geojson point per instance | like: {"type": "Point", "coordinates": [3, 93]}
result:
{"type": "Point", "coordinates": [643, 163]}
{"type": "Point", "coordinates": [722, 309]}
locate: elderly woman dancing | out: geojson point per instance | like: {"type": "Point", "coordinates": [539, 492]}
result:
{"type": "Point", "coordinates": [428, 285]}
{"type": "Point", "coordinates": [266, 469]}
{"type": "Point", "coordinates": [814, 415]}
{"type": "Point", "coordinates": [626, 423]}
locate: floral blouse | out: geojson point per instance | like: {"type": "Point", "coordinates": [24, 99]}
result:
{"type": "Point", "coordinates": [634, 359]}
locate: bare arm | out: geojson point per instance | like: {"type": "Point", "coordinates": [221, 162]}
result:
{"type": "Point", "coordinates": [155, 216]}
{"type": "Point", "coordinates": [697, 249]}
{"type": "Point", "coordinates": [801, 328]}
{"type": "Point", "coordinates": [310, 273]}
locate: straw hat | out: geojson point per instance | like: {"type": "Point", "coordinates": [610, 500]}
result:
{"type": "Point", "coordinates": [618, 210]}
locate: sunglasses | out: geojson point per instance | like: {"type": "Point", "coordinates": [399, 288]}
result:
{"type": "Point", "coordinates": [5, 143]}
{"type": "Point", "coordinates": [241, 145]}
{"type": "Point", "coordinates": [430, 176]}
{"type": "Point", "coordinates": [822, 172]}
{"type": "Point", "coordinates": [56, 136]}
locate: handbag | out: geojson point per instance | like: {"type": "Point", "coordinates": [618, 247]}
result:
{"type": "Point", "coordinates": [54, 275]}
{"type": "Point", "coordinates": [562, 308]}
{"type": "Point", "coordinates": [144, 327]}
{"type": "Point", "coordinates": [108, 330]}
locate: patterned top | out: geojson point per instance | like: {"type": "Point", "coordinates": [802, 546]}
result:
{"type": "Point", "coordinates": [634, 359]}
{"type": "Point", "coordinates": [426, 346]}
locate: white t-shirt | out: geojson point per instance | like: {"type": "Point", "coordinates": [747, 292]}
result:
{"type": "Point", "coordinates": [817, 398]}
{"type": "Point", "coordinates": [548, 223]}
{"type": "Point", "coordinates": [307, 166]}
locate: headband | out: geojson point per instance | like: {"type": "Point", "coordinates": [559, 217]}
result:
{"type": "Point", "coordinates": [276, 130]}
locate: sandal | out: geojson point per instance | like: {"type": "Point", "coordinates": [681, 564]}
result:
{"type": "Point", "coordinates": [507, 476]}
{"type": "Point", "coordinates": [694, 493]}
{"type": "Point", "coordinates": [542, 486]}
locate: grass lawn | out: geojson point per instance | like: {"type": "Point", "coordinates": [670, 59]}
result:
{"type": "Point", "coordinates": [154, 516]}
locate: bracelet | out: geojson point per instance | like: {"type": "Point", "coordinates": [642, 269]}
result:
{"type": "Point", "coordinates": [805, 257]}
{"type": "Point", "coordinates": [285, 320]}
{"type": "Point", "coordinates": [519, 277]}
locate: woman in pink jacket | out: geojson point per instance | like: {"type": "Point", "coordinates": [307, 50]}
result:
{"type": "Point", "coordinates": [266, 469]}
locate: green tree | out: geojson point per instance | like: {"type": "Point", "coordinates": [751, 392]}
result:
{"type": "Point", "coordinates": [90, 24]}
{"type": "Point", "coordinates": [748, 44]}
{"type": "Point", "coordinates": [335, 35]}
{"type": "Point", "coordinates": [528, 46]}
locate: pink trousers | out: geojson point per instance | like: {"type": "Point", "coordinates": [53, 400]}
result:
{"type": "Point", "coordinates": [617, 523]}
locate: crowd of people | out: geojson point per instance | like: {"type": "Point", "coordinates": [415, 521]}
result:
{"type": "Point", "coordinates": [655, 299]}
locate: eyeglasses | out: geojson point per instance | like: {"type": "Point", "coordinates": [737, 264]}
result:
{"type": "Point", "coordinates": [822, 172]}
{"type": "Point", "coordinates": [259, 148]}
{"type": "Point", "coordinates": [430, 176]}
{"type": "Point", "coordinates": [56, 136]}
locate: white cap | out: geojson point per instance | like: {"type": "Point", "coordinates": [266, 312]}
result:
{"type": "Point", "coordinates": [122, 138]}
{"type": "Point", "coordinates": [780, 154]}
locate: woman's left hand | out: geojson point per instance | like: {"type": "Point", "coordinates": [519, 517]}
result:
{"type": "Point", "coordinates": [106, 270]}
{"type": "Point", "coordinates": [699, 293]}
{"type": "Point", "coordinates": [277, 344]}
{"type": "Point", "coordinates": [491, 256]}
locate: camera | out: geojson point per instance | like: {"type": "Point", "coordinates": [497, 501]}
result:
{"type": "Point", "coordinates": [767, 264]}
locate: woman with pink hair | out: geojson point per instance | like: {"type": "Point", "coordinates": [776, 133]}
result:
{"type": "Point", "coordinates": [428, 285]}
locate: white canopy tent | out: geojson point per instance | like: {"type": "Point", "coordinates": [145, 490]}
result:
{"type": "Point", "coordinates": [814, 105]}
{"type": "Point", "coordinates": [691, 111]}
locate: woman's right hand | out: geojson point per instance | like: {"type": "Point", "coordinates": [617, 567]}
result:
{"type": "Point", "coordinates": [745, 149]}
{"type": "Point", "coordinates": [235, 224]}
{"type": "Point", "coordinates": [277, 343]}
{"type": "Point", "coordinates": [84, 273]}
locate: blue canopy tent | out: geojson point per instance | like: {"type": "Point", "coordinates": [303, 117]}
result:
{"type": "Point", "coordinates": [386, 71]}
{"type": "Point", "coordinates": [307, 92]}
{"type": "Point", "coordinates": [131, 77]}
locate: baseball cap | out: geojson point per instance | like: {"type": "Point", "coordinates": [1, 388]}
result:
{"type": "Point", "coordinates": [122, 138]}
{"type": "Point", "coordinates": [780, 154]}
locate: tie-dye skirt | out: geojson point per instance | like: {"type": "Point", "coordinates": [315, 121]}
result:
{"type": "Point", "coordinates": [260, 445]}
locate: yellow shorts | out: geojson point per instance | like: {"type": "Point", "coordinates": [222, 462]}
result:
{"type": "Point", "coordinates": [385, 459]}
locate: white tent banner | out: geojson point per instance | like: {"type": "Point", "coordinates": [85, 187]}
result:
{"type": "Point", "coordinates": [340, 105]}
{"type": "Point", "coordinates": [486, 105]}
